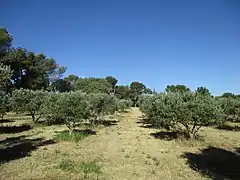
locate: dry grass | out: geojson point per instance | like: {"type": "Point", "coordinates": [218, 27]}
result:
{"type": "Point", "coordinates": [122, 151]}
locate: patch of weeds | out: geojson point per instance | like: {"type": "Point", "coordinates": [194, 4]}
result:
{"type": "Point", "coordinates": [118, 133]}
{"type": "Point", "coordinates": [143, 153]}
{"type": "Point", "coordinates": [127, 156]}
{"type": "Point", "coordinates": [90, 167]}
{"type": "Point", "coordinates": [148, 163]}
{"type": "Point", "coordinates": [156, 161]}
{"type": "Point", "coordinates": [74, 137]}
{"type": "Point", "coordinates": [122, 150]}
{"type": "Point", "coordinates": [66, 164]}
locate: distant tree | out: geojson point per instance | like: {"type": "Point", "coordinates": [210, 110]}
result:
{"type": "Point", "coordinates": [61, 85]}
{"type": "Point", "coordinates": [101, 104]}
{"type": "Point", "coordinates": [123, 104]}
{"type": "Point", "coordinates": [24, 100]}
{"type": "Point", "coordinates": [112, 81]}
{"type": "Point", "coordinates": [71, 80]}
{"type": "Point", "coordinates": [5, 42]}
{"type": "Point", "coordinates": [203, 91]}
{"type": "Point", "coordinates": [136, 89]}
{"type": "Point", "coordinates": [122, 92]}
{"type": "Point", "coordinates": [177, 88]}
{"type": "Point", "coordinates": [148, 91]}
{"type": "Point", "coordinates": [228, 94]}
{"type": "Point", "coordinates": [93, 85]}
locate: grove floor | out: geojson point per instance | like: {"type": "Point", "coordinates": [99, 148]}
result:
{"type": "Point", "coordinates": [127, 150]}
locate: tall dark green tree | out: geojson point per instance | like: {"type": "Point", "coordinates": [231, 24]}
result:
{"type": "Point", "coordinates": [136, 89]}
{"type": "Point", "coordinates": [93, 85]}
{"type": "Point", "coordinates": [203, 91]}
{"type": "Point", "coordinates": [30, 70]}
{"type": "Point", "coordinates": [112, 81]}
{"type": "Point", "coordinates": [228, 95]}
{"type": "Point", "coordinates": [71, 80]}
{"type": "Point", "coordinates": [5, 42]}
{"type": "Point", "coordinates": [122, 92]}
{"type": "Point", "coordinates": [177, 88]}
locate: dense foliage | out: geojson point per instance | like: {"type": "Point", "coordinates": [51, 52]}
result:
{"type": "Point", "coordinates": [186, 111]}
{"type": "Point", "coordinates": [100, 105]}
{"type": "Point", "coordinates": [124, 104]}
{"type": "Point", "coordinates": [4, 103]}
{"type": "Point", "coordinates": [68, 108]}
{"type": "Point", "coordinates": [230, 107]}
{"type": "Point", "coordinates": [75, 107]}
{"type": "Point", "coordinates": [28, 101]}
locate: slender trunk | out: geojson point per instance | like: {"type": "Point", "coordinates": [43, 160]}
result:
{"type": "Point", "coordinates": [38, 117]}
{"type": "Point", "coordinates": [70, 129]}
{"type": "Point", "coordinates": [33, 117]}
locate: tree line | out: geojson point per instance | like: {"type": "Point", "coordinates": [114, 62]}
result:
{"type": "Point", "coordinates": [38, 72]}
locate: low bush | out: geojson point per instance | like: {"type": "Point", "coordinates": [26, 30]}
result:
{"type": "Point", "coordinates": [73, 137]}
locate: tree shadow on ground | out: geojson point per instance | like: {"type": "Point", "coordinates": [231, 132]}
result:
{"type": "Point", "coordinates": [80, 131]}
{"type": "Point", "coordinates": [215, 163]}
{"type": "Point", "coordinates": [145, 123]}
{"type": "Point", "coordinates": [20, 147]}
{"type": "Point", "coordinates": [169, 136]}
{"type": "Point", "coordinates": [14, 129]}
{"type": "Point", "coordinates": [228, 127]}
{"type": "Point", "coordinates": [109, 122]}
{"type": "Point", "coordinates": [6, 121]}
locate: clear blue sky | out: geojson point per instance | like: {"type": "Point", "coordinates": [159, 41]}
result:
{"type": "Point", "coordinates": [191, 42]}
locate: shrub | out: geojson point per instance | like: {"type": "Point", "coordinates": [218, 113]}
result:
{"type": "Point", "coordinates": [100, 105]}
{"type": "Point", "coordinates": [24, 100]}
{"type": "Point", "coordinates": [68, 108]}
{"type": "Point", "coordinates": [50, 109]}
{"type": "Point", "coordinates": [90, 167]}
{"type": "Point", "coordinates": [230, 107]}
{"type": "Point", "coordinates": [185, 112]}
{"type": "Point", "coordinates": [123, 104]}
{"type": "Point", "coordinates": [74, 137]}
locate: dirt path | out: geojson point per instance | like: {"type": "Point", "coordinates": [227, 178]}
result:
{"type": "Point", "coordinates": [127, 151]}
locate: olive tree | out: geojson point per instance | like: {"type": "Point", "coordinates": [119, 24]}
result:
{"type": "Point", "coordinates": [123, 104]}
{"type": "Point", "coordinates": [230, 107]}
{"type": "Point", "coordinates": [24, 100]}
{"type": "Point", "coordinates": [186, 112]}
{"type": "Point", "coordinates": [69, 108]}
{"type": "Point", "coordinates": [101, 104]}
